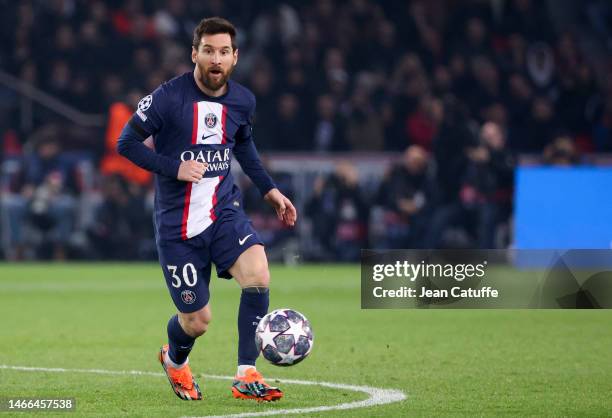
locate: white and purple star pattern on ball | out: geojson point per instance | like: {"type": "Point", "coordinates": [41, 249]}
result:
{"type": "Point", "coordinates": [284, 337]}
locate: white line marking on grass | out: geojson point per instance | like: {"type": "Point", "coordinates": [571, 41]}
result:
{"type": "Point", "coordinates": [95, 371]}
{"type": "Point", "coordinates": [376, 396]}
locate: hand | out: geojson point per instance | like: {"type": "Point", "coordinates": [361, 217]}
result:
{"type": "Point", "coordinates": [284, 208]}
{"type": "Point", "coordinates": [192, 171]}
{"type": "Point", "coordinates": [149, 143]}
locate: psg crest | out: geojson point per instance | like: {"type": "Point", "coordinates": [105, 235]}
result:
{"type": "Point", "coordinates": [211, 120]}
{"type": "Point", "coordinates": [188, 296]}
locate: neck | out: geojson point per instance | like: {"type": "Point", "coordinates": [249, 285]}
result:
{"type": "Point", "coordinates": [209, 92]}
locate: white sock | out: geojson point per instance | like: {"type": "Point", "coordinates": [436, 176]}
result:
{"type": "Point", "coordinates": [172, 364]}
{"type": "Point", "coordinates": [242, 368]}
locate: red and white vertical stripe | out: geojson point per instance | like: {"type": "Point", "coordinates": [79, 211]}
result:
{"type": "Point", "coordinates": [211, 123]}
{"type": "Point", "coordinates": [209, 120]}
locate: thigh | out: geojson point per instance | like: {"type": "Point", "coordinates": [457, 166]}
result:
{"type": "Point", "coordinates": [234, 234]}
{"type": "Point", "coordinates": [186, 269]}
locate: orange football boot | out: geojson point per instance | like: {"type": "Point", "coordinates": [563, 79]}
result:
{"type": "Point", "coordinates": [253, 386]}
{"type": "Point", "coordinates": [181, 380]}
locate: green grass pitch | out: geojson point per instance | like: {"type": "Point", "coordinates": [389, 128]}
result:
{"type": "Point", "coordinates": [447, 362]}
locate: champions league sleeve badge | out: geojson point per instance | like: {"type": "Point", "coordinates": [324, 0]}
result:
{"type": "Point", "coordinates": [143, 105]}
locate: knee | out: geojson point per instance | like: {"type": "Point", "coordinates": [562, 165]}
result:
{"type": "Point", "coordinates": [256, 276]}
{"type": "Point", "coordinates": [194, 327]}
{"type": "Point", "coordinates": [195, 324]}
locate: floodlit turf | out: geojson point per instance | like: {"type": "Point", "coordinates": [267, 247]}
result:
{"type": "Point", "coordinates": [447, 362]}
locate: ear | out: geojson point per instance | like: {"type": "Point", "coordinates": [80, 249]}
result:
{"type": "Point", "coordinates": [194, 53]}
{"type": "Point", "coordinates": [235, 56]}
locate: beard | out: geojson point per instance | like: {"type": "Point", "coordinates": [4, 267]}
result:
{"type": "Point", "coordinates": [211, 81]}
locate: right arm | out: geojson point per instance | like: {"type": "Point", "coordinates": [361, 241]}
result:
{"type": "Point", "coordinates": [131, 146]}
{"type": "Point", "coordinates": [145, 122]}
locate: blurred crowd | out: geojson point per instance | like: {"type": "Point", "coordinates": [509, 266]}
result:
{"type": "Point", "coordinates": [457, 89]}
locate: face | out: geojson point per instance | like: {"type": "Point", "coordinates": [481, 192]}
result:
{"type": "Point", "coordinates": [215, 60]}
{"type": "Point", "coordinates": [492, 135]}
{"type": "Point", "coordinates": [415, 159]}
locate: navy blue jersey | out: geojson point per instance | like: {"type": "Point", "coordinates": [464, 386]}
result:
{"type": "Point", "coordinates": [186, 124]}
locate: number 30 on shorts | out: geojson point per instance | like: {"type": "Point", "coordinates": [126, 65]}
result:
{"type": "Point", "coordinates": [187, 268]}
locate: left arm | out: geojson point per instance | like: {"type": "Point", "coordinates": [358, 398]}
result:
{"type": "Point", "coordinates": [247, 156]}
{"type": "Point", "coordinates": [249, 160]}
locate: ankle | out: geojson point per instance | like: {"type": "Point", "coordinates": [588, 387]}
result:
{"type": "Point", "coordinates": [172, 364]}
{"type": "Point", "coordinates": [242, 369]}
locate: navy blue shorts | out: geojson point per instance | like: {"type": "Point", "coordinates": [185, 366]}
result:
{"type": "Point", "coordinates": [187, 264]}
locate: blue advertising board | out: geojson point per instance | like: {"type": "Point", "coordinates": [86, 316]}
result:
{"type": "Point", "coordinates": [563, 207]}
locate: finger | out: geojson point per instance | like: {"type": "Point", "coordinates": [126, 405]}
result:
{"type": "Point", "coordinates": [202, 168]}
{"type": "Point", "coordinates": [291, 221]}
{"type": "Point", "coordinates": [287, 222]}
{"type": "Point", "coordinates": [291, 213]}
{"type": "Point", "coordinates": [280, 210]}
{"type": "Point", "coordinates": [291, 209]}
{"type": "Point", "coordinates": [288, 219]}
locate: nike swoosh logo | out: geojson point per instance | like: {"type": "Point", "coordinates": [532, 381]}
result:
{"type": "Point", "coordinates": [243, 240]}
{"type": "Point", "coordinates": [207, 136]}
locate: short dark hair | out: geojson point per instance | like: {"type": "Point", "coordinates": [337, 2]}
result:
{"type": "Point", "coordinates": [213, 26]}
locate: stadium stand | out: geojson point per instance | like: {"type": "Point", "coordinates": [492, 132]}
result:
{"type": "Point", "coordinates": [445, 94]}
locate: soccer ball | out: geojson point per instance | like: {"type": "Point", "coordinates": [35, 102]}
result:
{"type": "Point", "coordinates": [284, 337]}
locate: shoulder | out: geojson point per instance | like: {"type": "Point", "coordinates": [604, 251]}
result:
{"type": "Point", "coordinates": [174, 87]}
{"type": "Point", "coordinates": [166, 94]}
{"type": "Point", "coordinates": [243, 95]}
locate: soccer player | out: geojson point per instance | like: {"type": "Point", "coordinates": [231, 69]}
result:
{"type": "Point", "coordinates": [195, 120]}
